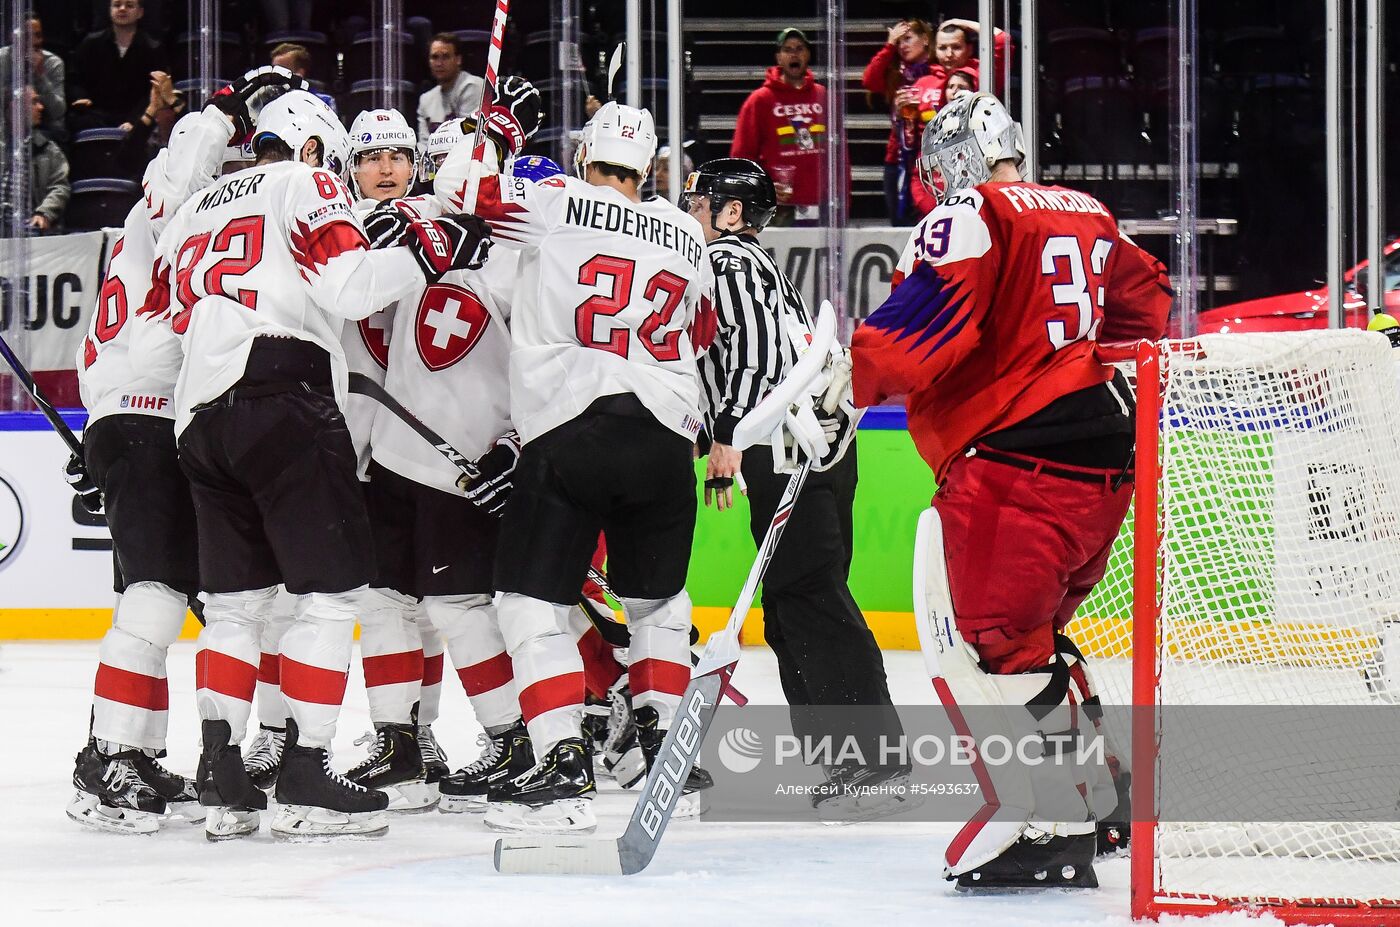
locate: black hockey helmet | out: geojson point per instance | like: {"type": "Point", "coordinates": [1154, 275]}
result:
{"type": "Point", "coordinates": [725, 179]}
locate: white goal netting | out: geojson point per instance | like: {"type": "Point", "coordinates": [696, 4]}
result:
{"type": "Point", "coordinates": [1278, 619]}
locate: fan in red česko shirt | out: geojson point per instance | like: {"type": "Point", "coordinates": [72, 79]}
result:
{"type": "Point", "coordinates": [782, 126]}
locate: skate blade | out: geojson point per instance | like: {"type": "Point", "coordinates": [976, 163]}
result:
{"type": "Point", "coordinates": [297, 822]}
{"type": "Point", "coordinates": [88, 811]}
{"type": "Point", "coordinates": [411, 797]}
{"type": "Point", "coordinates": [1083, 878]}
{"type": "Point", "coordinates": [690, 805]}
{"type": "Point", "coordinates": [571, 817]}
{"type": "Point", "coordinates": [223, 823]}
{"type": "Point", "coordinates": [462, 804]}
{"type": "Point", "coordinates": [188, 812]}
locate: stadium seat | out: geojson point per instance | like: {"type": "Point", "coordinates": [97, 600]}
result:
{"type": "Point", "coordinates": [1244, 53]}
{"type": "Point", "coordinates": [1102, 124]}
{"type": "Point", "coordinates": [362, 57]}
{"type": "Point", "coordinates": [99, 203]}
{"type": "Point", "coordinates": [231, 55]}
{"type": "Point", "coordinates": [1151, 55]}
{"type": "Point", "coordinates": [97, 153]}
{"type": "Point", "coordinates": [323, 58]}
{"type": "Point", "coordinates": [403, 96]}
{"type": "Point", "coordinates": [474, 43]}
{"type": "Point", "coordinates": [1082, 52]}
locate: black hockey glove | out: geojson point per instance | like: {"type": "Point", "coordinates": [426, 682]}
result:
{"type": "Point", "coordinates": [244, 99]}
{"type": "Point", "coordinates": [491, 487]}
{"type": "Point", "coordinates": [77, 476]}
{"type": "Point", "coordinates": [386, 226]}
{"type": "Point", "coordinates": [519, 98]}
{"type": "Point", "coordinates": [456, 242]}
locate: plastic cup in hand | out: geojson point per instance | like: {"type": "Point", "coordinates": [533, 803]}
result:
{"type": "Point", "coordinates": [782, 180]}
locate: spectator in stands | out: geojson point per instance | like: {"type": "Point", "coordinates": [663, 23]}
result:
{"type": "Point", "coordinates": [902, 61]}
{"type": "Point", "coordinates": [782, 126]}
{"type": "Point", "coordinates": [112, 71]}
{"type": "Point", "coordinates": [457, 93]}
{"type": "Point", "coordinates": [931, 93]}
{"type": "Point", "coordinates": [297, 59]}
{"type": "Point", "coordinates": [48, 186]}
{"type": "Point", "coordinates": [46, 73]}
{"type": "Point", "coordinates": [955, 43]}
{"type": "Point", "coordinates": [163, 106]}
{"type": "Point", "coordinates": [663, 169]}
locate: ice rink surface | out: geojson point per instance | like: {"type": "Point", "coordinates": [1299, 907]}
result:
{"type": "Point", "coordinates": [435, 869]}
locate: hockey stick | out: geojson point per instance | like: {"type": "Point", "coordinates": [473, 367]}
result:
{"type": "Point", "coordinates": [634, 850]}
{"type": "Point", "coordinates": [488, 94]}
{"type": "Point", "coordinates": [614, 632]}
{"type": "Point", "coordinates": [50, 413]}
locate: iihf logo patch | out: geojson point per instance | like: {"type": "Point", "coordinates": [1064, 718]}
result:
{"type": "Point", "coordinates": [126, 401]}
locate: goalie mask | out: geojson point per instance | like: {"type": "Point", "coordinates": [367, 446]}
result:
{"type": "Point", "coordinates": [617, 134]}
{"type": "Point", "coordinates": [296, 117]}
{"type": "Point", "coordinates": [965, 140]}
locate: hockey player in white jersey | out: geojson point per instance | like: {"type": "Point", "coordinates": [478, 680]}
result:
{"type": "Point", "coordinates": [401, 653]}
{"type": "Point", "coordinates": [258, 274]}
{"type": "Point", "coordinates": [129, 450]}
{"type": "Point", "coordinates": [601, 359]}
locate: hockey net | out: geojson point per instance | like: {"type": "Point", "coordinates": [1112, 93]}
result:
{"type": "Point", "coordinates": [1260, 567]}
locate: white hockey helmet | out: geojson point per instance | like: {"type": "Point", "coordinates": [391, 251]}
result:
{"type": "Point", "coordinates": [237, 157]}
{"type": "Point", "coordinates": [444, 138]}
{"type": "Point", "coordinates": [965, 140]}
{"type": "Point", "coordinates": [297, 116]}
{"type": "Point", "coordinates": [380, 129]}
{"type": "Point", "coordinates": [618, 134]}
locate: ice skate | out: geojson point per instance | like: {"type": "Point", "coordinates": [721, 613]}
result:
{"type": "Point", "coordinates": [111, 793]}
{"type": "Point", "coordinates": [1038, 859]}
{"type": "Point", "coordinates": [865, 793]}
{"type": "Point", "coordinates": [555, 797]}
{"type": "Point", "coordinates": [225, 788]}
{"type": "Point", "coordinates": [692, 802]}
{"type": "Point", "coordinates": [181, 796]}
{"type": "Point", "coordinates": [622, 752]}
{"type": "Point", "coordinates": [395, 767]}
{"type": "Point", "coordinates": [319, 802]}
{"type": "Point", "coordinates": [504, 756]}
{"type": "Point", "coordinates": [264, 756]}
{"type": "Point", "coordinates": [434, 757]}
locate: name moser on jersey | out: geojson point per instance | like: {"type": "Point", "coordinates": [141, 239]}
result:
{"type": "Point", "coordinates": [989, 335]}
{"type": "Point", "coordinates": [257, 276]}
{"type": "Point", "coordinates": [610, 306]}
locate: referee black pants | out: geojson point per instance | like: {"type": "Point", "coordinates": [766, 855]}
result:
{"type": "Point", "coordinates": [826, 654]}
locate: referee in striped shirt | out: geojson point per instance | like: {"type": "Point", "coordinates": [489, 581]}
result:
{"type": "Point", "coordinates": [825, 651]}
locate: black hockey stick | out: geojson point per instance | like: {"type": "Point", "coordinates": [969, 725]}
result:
{"type": "Point", "coordinates": [633, 851]}
{"type": "Point", "coordinates": [50, 413]}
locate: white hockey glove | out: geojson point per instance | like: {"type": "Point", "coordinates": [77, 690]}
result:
{"type": "Point", "coordinates": [491, 487]}
{"type": "Point", "coordinates": [837, 413]}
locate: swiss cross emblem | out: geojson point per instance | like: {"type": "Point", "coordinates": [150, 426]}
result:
{"type": "Point", "coordinates": [374, 332]}
{"type": "Point", "coordinates": [451, 320]}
